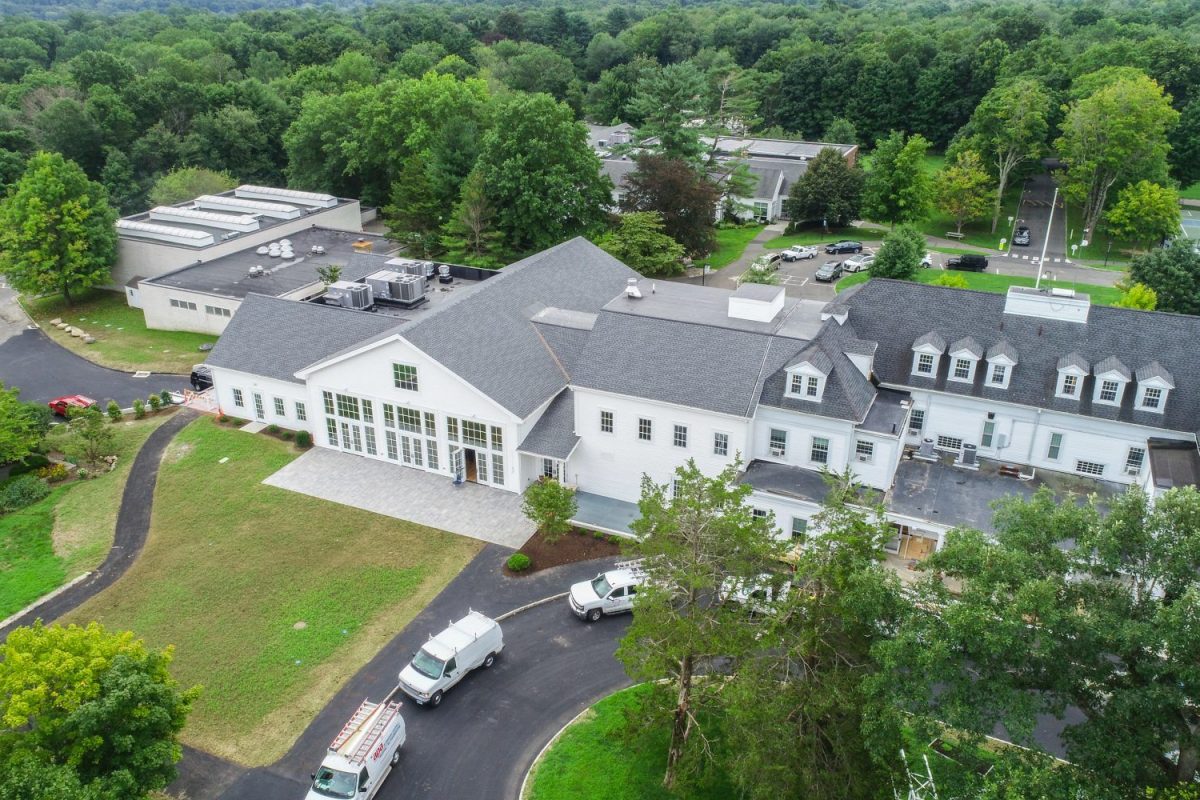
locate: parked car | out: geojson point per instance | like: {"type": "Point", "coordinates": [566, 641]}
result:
{"type": "Point", "coordinates": [201, 377]}
{"type": "Point", "coordinates": [608, 593]}
{"type": "Point", "coordinates": [926, 261]}
{"type": "Point", "coordinates": [967, 263]}
{"type": "Point", "coordinates": [65, 404]}
{"type": "Point", "coordinates": [799, 252]}
{"type": "Point", "coordinates": [1021, 237]}
{"type": "Point", "coordinates": [362, 755]}
{"type": "Point", "coordinates": [768, 261]}
{"type": "Point", "coordinates": [843, 247]}
{"type": "Point", "coordinates": [444, 660]}
{"type": "Point", "coordinates": [858, 263]}
{"type": "Point", "coordinates": [827, 273]}
{"type": "Point", "coordinates": [758, 595]}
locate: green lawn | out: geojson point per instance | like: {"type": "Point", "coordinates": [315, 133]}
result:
{"type": "Point", "coordinates": [817, 235]}
{"type": "Point", "coordinates": [122, 339]}
{"type": "Point", "coordinates": [233, 566]}
{"type": "Point", "coordinates": [69, 532]}
{"type": "Point", "coordinates": [1098, 248]}
{"type": "Point", "coordinates": [988, 282]}
{"type": "Point", "coordinates": [1191, 193]}
{"type": "Point", "coordinates": [601, 757]}
{"type": "Point", "coordinates": [731, 243]}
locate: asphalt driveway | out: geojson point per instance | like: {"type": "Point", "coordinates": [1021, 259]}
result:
{"type": "Point", "coordinates": [485, 735]}
{"type": "Point", "coordinates": [43, 370]}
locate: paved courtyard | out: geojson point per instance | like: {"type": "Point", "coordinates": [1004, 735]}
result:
{"type": "Point", "coordinates": [480, 512]}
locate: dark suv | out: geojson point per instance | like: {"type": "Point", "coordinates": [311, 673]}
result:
{"type": "Point", "coordinates": [201, 377]}
{"type": "Point", "coordinates": [967, 263]}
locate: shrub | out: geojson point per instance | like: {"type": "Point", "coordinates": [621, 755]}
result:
{"type": "Point", "coordinates": [224, 418]}
{"type": "Point", "coordinates": [31, 462]}
{"type": "Point", "coordinates": [53, 473]}
{"type": "Point", "coordinates": [272, 429]}
{"type": "Point", "coordinates": [113, 411]}
{"type": "Point", "coordinates": [519, 562]}
{"type": "Point", "coordinates": [550, 506]}
{"type": "Point", "coordinates": [303, 439]}
{"type": "Point", "coordinates": [139, 409]}
{"type": "Point", "coordinates": [82, 474]}
{"type": "Point", "coordinates": [598, 535]}
{"type": "Point", "coordinates": [165, 396]}
{"type": "Point", "coordinates": [155, 402]}
{"type": "Point", "coordinates": [287, 436]}
{"type": "Point", "coordinates": [22, 491]}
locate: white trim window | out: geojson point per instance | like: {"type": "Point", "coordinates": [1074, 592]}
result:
{"type": "Point", "coordinates": [988, 437]}
{"type": "Point", "coordinates": [949, 443]}
{"type": "Point", "coordinates": [916, 421]}
{"type": "Point", "coordinates": [1135, 460]}
{"type": "Point", "coordinates": [998, 375]}
{"type": "Point", "coordinates": [799, 529]}
{"type": "Point", "coordinates": [819, 453]}
{"type": "Point", "coordinates": [680, 438]}
{"type": "Point", "coordinates": [864, 451]}
{"type": "Point", "coordinates": [301, 412]}
{"type": "Point", "coordinates": [280, 408]}
{"type": "Point", "coordinates": [404, 376]}
{"type": "Point", "coordinates": [1054, 451]}
{"type": "Point", "coordinates": [645, 429]}
{"type": "Point", "coordinates": [239, 400]}
{"type": "Point", "coordinates": [1069, 385]}
{"type": "Point", "coordinates": [1151, 398]}
{"type": "Point", "coordinates": [963, 370]}
{"type": "Point", "coordinates": [1108, 391]}
{"type": "Point", "coordinates": [806, 383]}
{"type": "Point", "coordinates": [924, 364]}
{"type": "Point", "coordinates": [606, 422]}
{"type": "Point", "coordinates": [777, 443]}
{"type": "Point", "coordinates": [1089, 468]}
{"type": "Point", "coordinates": [720, 444]}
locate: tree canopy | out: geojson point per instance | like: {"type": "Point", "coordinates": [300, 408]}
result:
{"type": "Point", "coordinates": [829, 190]}
{"type": "Point", "coordinates": [1174, 275]}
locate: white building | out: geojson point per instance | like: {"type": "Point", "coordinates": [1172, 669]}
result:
{"type": "Point", "coordinates": [567, 364]}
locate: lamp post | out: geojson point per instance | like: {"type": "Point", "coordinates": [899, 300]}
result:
{"type": "Point", "coordinates": [1107, 250]}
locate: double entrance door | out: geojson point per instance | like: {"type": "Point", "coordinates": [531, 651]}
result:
{"type": "Point", "coordinates": [468, 464]}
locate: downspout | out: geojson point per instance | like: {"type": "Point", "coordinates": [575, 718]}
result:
{"type": "Point", "coordinates": [1033, 436]}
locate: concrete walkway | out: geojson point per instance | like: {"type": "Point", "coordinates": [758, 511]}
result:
{"type": "Point", "coordinates": [480, 512]}
{"type": "Point", "coordinates": [726, 277]}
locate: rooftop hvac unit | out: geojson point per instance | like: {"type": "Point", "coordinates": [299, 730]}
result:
{"type": "Point", "coordinates": [385, 284]}
{"type": "Point", "coordinates": [428, 269]}
{"type": "Point", "coordinates": [631, 289]}
{"type": "Point", "coordinates": [257, 271]}
{"type": "Point", "coordinates": [444, 275]}
{"type": "Point", "coordinates": [411, 288]}
{"type": "Point", "coordinates": [317, 250]}
{"type": "Point", "coordinates": [967, 458]}
{"type": "Point", "coordinates": [926, 452]}
{"type": "Point", "coordinates": [349, 295]}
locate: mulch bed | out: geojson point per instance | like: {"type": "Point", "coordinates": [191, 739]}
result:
{"type": "Point", "coordinates": [578, 545]}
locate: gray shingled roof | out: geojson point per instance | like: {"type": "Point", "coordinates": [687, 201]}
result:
{"type": "Point", "coordinates": [1112, 364]}
{"type": "Point", "coordinates": [968, 344]}
{"type": "Point", "coordinates": [1002, 348]}
{"type": "Point", "coordinates": [848, 394]}
{"type": "Point", "coordinates": [554, 434]}
{"type": "Point", "coordinates": [1155, 370]}
{"type": "Point", "coordinates": [895, 313]}
{"type": "Point", "coordinates": [274, 338]}
{"type": "Point", "coordinates": [1073, 359]}
{"type": "Point", "coordinates": [565, 343]}
{"type": "Point", "coordinates": [486, 338]}
{"type": "Point", "coordinates": [813, 354]}
{"type": "Point", "coordinates": [930, 338]}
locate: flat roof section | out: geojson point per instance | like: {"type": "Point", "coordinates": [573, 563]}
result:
{"type": "Point", "coordinates": [1174, 463]}
{"type": "Point", "coordinates": [888, 412]}
{"type": "Point", "coordinates": [229, 276]}
{"type": "Point", "coordinates": [952, 496]}
{"type": "Point", "coordinates": [794, 482]}
{"type": "Point", "coordinates": [709, 305]}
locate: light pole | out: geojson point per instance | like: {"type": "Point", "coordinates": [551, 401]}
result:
{"type": "Point", "coordinates": [1046, 239]}
{"type": "Point", "coordinates": [1107, 250]}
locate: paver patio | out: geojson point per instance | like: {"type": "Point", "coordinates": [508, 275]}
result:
{"type": "Point", "coordinates": [480, 512]}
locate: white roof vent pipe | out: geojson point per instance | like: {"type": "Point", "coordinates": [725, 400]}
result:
{"type": "Point", "coordinates": [631, 289]}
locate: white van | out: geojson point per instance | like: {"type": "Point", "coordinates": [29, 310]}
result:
{"type": "Point", "coordinates": [362, 755]}
{"type": "Point", "coordinates": [608, 593]}
{"type": "Point", "coordinates": [473, 641]}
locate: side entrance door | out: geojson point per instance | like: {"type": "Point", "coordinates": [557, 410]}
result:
{"type": "Point", "coordinates": [259, 412]}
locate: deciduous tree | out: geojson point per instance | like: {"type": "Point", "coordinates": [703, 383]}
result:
{"type": "Point", "coordinates": [639, 242]}
{"type": "Point", "coordinates": [684, 197]}
{"type": "Point", "coordinates": [1145, 212]}
{"type": "Point", "coordinates": [1174, 275]}
{"type": "Point", "coordinates": [20, 429]}
{"type": "Point", "coordinates": [551, 506]}
{"type": "Point", "coordinates": [897, 188]}
{"type": "Point", "coordinates": [830, 190]}
{"type": "Point", "coordinates": [186, 183]}
{"type": "Point", "coordinates": [963, 190]}
{"type": "Point", "coordinates": [57, 231]}
{"type": "Point", "coordinates": [901, 253]}
{"type": "Point", "coordinates": [91, 437]}
{"type": "Point", "coordinates": [1137, 295]}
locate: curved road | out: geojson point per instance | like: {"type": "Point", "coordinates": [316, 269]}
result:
{"type": "Point", "coordinates": [133, 525]}
{"type": "Point", "coordinates": [43, 370]}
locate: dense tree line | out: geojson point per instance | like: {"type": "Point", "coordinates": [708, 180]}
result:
{"type": "Point", "coordinates": [331, 98]}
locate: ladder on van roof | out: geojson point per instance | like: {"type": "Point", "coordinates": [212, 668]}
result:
{"type": "Point", "coordinates": [371, 736]}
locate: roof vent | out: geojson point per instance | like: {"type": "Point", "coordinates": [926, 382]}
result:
{"type": "Point", "coordinates": [1060, 292]}
{"type": "Point", "coordinates": [257, 271]}
{"type": "Point", "coordinates": [631, 289]}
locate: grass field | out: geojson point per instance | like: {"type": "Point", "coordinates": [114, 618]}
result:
{"type": "Point", "coordinates": [122, 339]}
{"type": "Point", "coordinates": [70, 531]}
{"type": "Point", "coordinates": [1191, 193]}
{"type": "Point", "coordinates": [1098, 248]}
{"type": "Point", "coordinates": [731, 243]}
{"type": "Point", "coordinates": [988, 282]}
{"type": "Point", "coordinates": [818, 236]}
{"type": "Point", "coordinates": [233, 566]}
{"type": "Point", "coordinates": [599, 757]}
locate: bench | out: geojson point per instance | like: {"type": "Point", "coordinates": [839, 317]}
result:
{"type": "Point", "coordinates": [1009, 472]}
{"type": "Point", "coordinates": [954, 235]}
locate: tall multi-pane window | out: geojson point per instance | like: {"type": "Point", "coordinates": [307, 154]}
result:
{"type": "Point", "coordinates": [778, 442]}
{"type": "Point", "coordinates": [331, 429]}
{"type": "Point", "coordinates": [916, 421]}
{"type": "Point", "coordinates": [1055, 448]}
{"type": "Point", "coordinates": [240, 401]}
{"type": "Point", "coordinates": [404, 376]}
{"type": "Point", "coordinates": [645, 429]}
{"type": "Point", "coordinates": [368, 411]}
{"type": "Point", "coordinates": [680, 439]}
{"type": "Point", "coordinates": [962, 368]}
{"type": "Point", "coordinates": [369, 431]}
{"type": "Point", "coordinates": [389, 438]}
{"type": "Point", "coordinates": [389, 415]}
{"type": "Point", "coordinates": [606, 422]}
{"type": "Point", "coordinates": [328, 398]}
{"type": "Point", "coordinates": [301, 412]}
{"type": "Point", "coordinates": [430, 424]}
{"type": "Point", "coordinates": [452, 428]}
{"type": "Point", "coordinates": [280, 409]}
{"type": "Point", "coordinates": [497, 438]}
{"type": "Point", "coordinates": [820, 450]}
{"type": "Point", "coordinates": [497, 469]}
{"type": "Point", "coordinates": [1135, 459]}
{"type": "Point", "coordinates": [989, 433]}
{"type": "Point", "coordinates": [720, 444]}
{"type": "Point", "coordinates": [347, 407]}
{"type": "Point", "coordinates": [797, 384]}
{"type": "Point", "coordinates": [431, 453]}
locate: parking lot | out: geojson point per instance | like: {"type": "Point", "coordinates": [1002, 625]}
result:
{"type": "Point", "coordinates": [798, 277]}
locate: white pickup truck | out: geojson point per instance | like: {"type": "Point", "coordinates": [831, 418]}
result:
{"type": "Point", "coordinates": [608, 593]}
{"type": "Point", "coordinates": [473, 641]}
{"type": "Point", "coordinates": [362, 755]}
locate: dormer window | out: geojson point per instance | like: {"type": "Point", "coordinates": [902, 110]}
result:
{"type": "Point", "coordinates": [1072, 369]}
{"type": "Point", "coordinates": [1001, 358]}
{"type": "Point", "coordinates": [1111, 377]}
{"type": "Point", "coordinates": [927, 350]}
{"type": "Point", "coordinates": [964, 354]}
{"type": "Point", "coordinates": [805, 385]}
{"type": "Point", "coordinates": [807, 374]}
{"type": "Point", "coordinates": [1154, 384]}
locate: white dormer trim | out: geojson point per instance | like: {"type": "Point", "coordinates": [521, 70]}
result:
{"type": "Point", "coordinates": [960, 362]}
{"type": "Point", "coordinates": [1070, 383]}
{"type": "Point", "coordinates": [1152, 395]}
{"type": "Point", "coordinates": [805, 382]}
{"type": "Point", "coordinates": [999, 372]}
{"type": "Point", "coordinates": [1108, 383]}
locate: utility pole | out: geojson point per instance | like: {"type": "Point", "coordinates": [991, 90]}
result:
{"type": "Point", "coordinates": [1046, 241]}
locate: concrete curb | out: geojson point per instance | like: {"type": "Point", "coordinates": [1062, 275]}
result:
{"type": "Point", "coordinates": [534, 604]}
{"type": "Point", "coordinates": [537, 760]}
{"type": "Point", "coordinates": [44, 599]}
